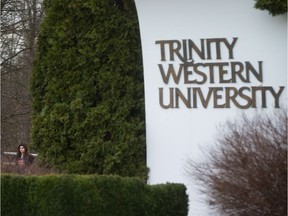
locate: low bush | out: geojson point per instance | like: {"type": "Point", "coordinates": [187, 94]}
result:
{"type": "Point", "coordinates": [78, 195]}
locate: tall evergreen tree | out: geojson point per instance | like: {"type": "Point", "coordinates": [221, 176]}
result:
{"type": "Point", "coordinates": [87, 87]}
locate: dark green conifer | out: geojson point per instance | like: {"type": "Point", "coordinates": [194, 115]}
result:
{"type": "Point", "coordinates": [88, 90]}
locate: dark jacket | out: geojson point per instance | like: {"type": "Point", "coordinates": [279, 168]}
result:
{"type": "Point", "coordinates": [27, 159]}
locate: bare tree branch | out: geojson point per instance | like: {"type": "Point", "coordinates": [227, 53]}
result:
{"type": "Point", "coordinates": [246, 173]}
{"type": "Point", "coordinates": [20, 24]}
{"type": "Point", "coordinates": [14, 55]}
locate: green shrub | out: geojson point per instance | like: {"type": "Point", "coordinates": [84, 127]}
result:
{"type": "Point", "coordinates": [81, 195]}
{"type": "Point", "coordinates": [14, 195]}
{"type": "Point", "coordinates": [169, 199]}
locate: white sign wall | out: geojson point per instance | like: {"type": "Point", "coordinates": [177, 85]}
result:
{"type": "Point", "coordinates": [205, 61]}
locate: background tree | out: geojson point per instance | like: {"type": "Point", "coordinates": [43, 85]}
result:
{"type": "Point", "coordinates": [87, 85]}
{"type": "Point", "coordinates": [20, 21]}
{"type": "Point", "coordinates": [246, 172]}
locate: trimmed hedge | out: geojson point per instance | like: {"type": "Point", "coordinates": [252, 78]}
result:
{"type": "Point", "coordinates": [63, 195]}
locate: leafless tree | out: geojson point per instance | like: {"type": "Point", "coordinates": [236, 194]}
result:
{"type": "Point", "coordinates": [20, 23]}
{"type": "Point", "coordinates": [246, 171]}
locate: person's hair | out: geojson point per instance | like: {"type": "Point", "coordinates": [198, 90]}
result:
{"type": "Point", "coordinates": [26, 150]}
